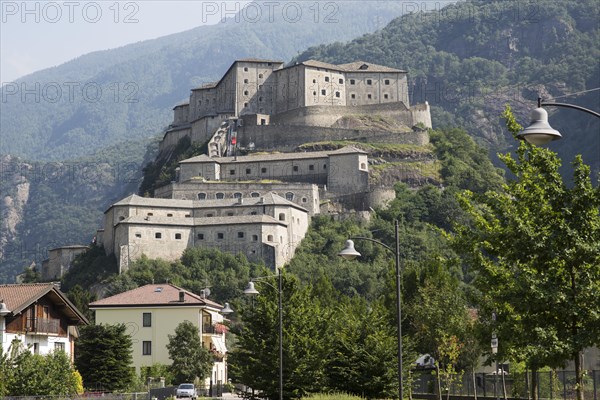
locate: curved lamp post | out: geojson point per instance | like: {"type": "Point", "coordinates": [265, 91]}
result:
{"type": "Point", "coordinates": [251, 290]}
{"type": "Point", "coordinates": [349, 253]}
{"type": "Point", "coordinates": [539, 131]}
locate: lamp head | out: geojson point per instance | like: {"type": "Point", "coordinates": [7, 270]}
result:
{"type": "Point", "coordinates": [226, 309]}
{"type": "Point", "coordinates": [539, 131]}
{"type": "Point", "coordinates": [250, 289]}
{"type": "Point", "coordinates": [3, 309]}
{"type": "Point", "coordinates": [349, 252]}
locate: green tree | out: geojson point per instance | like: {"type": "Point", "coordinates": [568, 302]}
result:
{"type": "Point", "coordinates": [104, 356]}
{"type": "Point", "coordinates": [190, 359]}
{"type": "Point", "coordinates": [536, 249]}
{"type": "Point", "coordinates": [256, 360]}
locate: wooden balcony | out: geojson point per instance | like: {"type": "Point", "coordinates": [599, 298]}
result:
{"type": "Point", "coordinates": [43, 326]}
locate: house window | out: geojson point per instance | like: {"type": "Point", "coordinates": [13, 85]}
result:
{"type": "Point", "coordinates": [289, 196]}
{"type": "Point", "coordinates": [201, 196]}
{"type": "Point", "coordinates": [281, 216]}
{"type": "Point", "coordinates": [178, 236]}
{"type": "Point", "coordinates": [59, 346]}
{"type": "Point", "coordinates": [201, 236]}
{"type": "Point", "coordinates": [147, 319]}
{"type": "Point", "coordinates": [146, 348]}
{"type": "Point", "coordinates": [237, 195]}
{"type": "Point", "coordinates": [36, 348]}
{"type": "Point", "coordinates": [240, 235]}
{"type": "Point", "coordinates": [369, 82]}
{"type": "Point", "coordinates": [387, 81]}
{"type": "Point", "coordinates": [158, 235]}
{"type": "Point", "coordinates": [323, 92]}
{"type": "Point", "coordinates": [220, 236]}
{"type": "Point", "coordinates": [352, 81]}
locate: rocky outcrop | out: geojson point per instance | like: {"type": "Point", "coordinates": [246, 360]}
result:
{"type": "Point", "coordinates": [14, 192]}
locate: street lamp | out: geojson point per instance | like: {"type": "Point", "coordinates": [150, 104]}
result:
{"type": "Point", "coordinates": [539, 131]}
{"type": "Point", "coordinates": [349, 253]}
{"type": "Point", "coordinates": [226, 310]}
{"type": "Point", "coordinates": [251, 290]}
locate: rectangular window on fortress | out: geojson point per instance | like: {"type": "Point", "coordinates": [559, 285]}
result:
{"type": "Point", "coordinates": [178, 236]}
{"type": "Point", "coordinates": [157, 235]}
{"type": "Point", "coordinates": [248, 171]}
{"type": "Point", "coordinates": [245, 80]}
{"type": "Point", "coordinates": [147, 319]}
{"type": "Point", "coordinates": [260, 76]}
{"type": "Point", "coordinates": [369, 96]}
{"type": "Point", "coordinates": [323, 92]}
{"type": "Point", "coordinates": [326, 79]}
{"type": "Point", "coordinates": [311, 167]}
{"type": "Point", "coordinates": [220, 236]}
{"type": "Point", "coordinates": [386, 96]}
{"type": "Point", "coordinates": [201, 236]}
{"type": "Point", "coordinates": [337, 94]}
{"type": "Point", "coordinates": [387, 81]}
{"type": "Point", "coordinates": [240, 235]}
{"type": "Point", "coordinates": [352, 96]}
{"type": "Point", "coordinates": [263, 170]}
{"type": "Point", "coordinates": [352, 81]}
{"type": "Point", "coordinates": [245, 69]}
{"type": "Point", "coordinates": [369, 82]}
{"type": "Point", "coordinates": [295, 168]}
{"type": "Point", "coordinates": [341, 81]}
{"type": "Point", "coordinates": [232, 172]}
{"type": "Point", "coordinates": [138, 235]}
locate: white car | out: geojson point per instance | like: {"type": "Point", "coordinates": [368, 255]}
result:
{"type": "Point", "coordinates": [186, 390]}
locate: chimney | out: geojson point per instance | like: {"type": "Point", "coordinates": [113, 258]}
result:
{"type": "Point", "coordinates": [181, 296]}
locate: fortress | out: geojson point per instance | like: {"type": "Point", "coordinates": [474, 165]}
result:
{"type": "Point", "coordinates": [242, 197]}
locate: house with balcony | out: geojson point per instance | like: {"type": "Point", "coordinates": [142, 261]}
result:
{"type": "Point", "coordinates": [40, 316]}
{"type": "Point", "coordinates": [152, 312]}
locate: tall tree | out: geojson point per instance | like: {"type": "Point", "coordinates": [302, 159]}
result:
{"type": "Point", "coordinates": [190, 359]}
{"type": "Point", "coordinates": [536, 249]}
{"type": "Point", "coordinates": [104, 356]}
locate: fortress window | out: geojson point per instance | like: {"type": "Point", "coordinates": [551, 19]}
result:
{"type": "Point", "coordinates": [281, 216]}
{"type": "Point", "coordinates": [245, 104]}
{"type": "Point", "coordinates": [230, 214]}
{"type": "Point", "coordinates": [255, 238]}
{"type": "Point", "coordinates": [289, 196]}
{"type": "Point", "coordinates": [260, 76]}
{"type": "Point", "coordinates": [269, 238]}
{"type": "Point", "coordinates": [138, 235]}
{"type": "Point", "coordinates": [158, 235]}
{"type": "Point", "coordinates": [341, 81]}
{"type": "Point", "coordinates": [304, 200]}
{"type": "Point", "coordinates": [263, 170]}
{"type": "Point", "coordinates": [369, 82]}
{"type": "Point", "coordinates": [314, 93]}
{"type": "Point", "coordinates": [324, 166]}
{"type": "Point", "coordinates": [295, 168]}
{"type": "Point", "coordinates": [201, 236]}
{"type": "Point", "coordinates": [352, 81]}
{"type": "Point", "coordinates": [245, 69]}
{"type": "Point", "coordinates": [237, 195]}
{"type": "Point", "coordinates": [337, 94]}
{"type": "Point", "coordinates": [209, 215]}
{"type": "Point", "coordinates": [201, 196]}
{"type": "Point", "coordinates": [220, 196]}
{"type": "Point", "coordinates": [169, 215]}
{"type": "Point", "coordinates": [248, 171]}
{"type": "Point", "coordinates": [253, 213]}
{"type": "Point", "coordinates": [150, 214]}
{"type": "Point", "coordinates": [178, 236]}
{"type": "Point", "coordinates": [245, 80]}
{"type": "Point", "coordinates": [352, 96]}
{"type": "Point", "coordinates": [369, 96]}
{"type": "Point", "coordinates": [260, 110]}
{"type": "Point", "coordinates": [314, 81]}
{"type": "Point", "coordinates": [326, 79]}
{"type": "Point", "coordinates": [121, 218]}
{"type": "Point", "coordinates": [240, 235]}
{"type": "Point", "coordinates": [311, 167]}
{"type": "Point", "coordinates": [260, 99]}
{"type": "Point", "coordinates": [220, 236]}
{"type": "Point", "coordinates": [387, 81]}
{"type": "Point", "coordinates": [255, 194]}
{"type": "Point", "coordinates": [232, 172]}
{"type": "Point", "coordinates": [323, 92]}
{"type": "Point", "coordinates": [188, 216]}
{"type": "Point", "coordinates": [245, 93]}
{"type": "Point", "coordinates": [363, 166]}
{"type": "Point", "coordinates": [386, 96]}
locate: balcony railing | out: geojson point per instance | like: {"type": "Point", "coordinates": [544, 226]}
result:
{"type": "Point", "coordinates": [43, 325]}
{"type": "Point", "coordinates": [215, 329]}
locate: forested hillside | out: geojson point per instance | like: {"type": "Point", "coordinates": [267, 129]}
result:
{"type": "Point", "coordinates": [472, 57]}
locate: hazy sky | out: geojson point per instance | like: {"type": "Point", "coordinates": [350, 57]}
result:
{"type": "Point", "coordinates": [39, 34]}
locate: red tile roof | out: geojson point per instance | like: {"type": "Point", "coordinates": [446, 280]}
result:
{"type": "Point", "coordinates": [155, 295]}
{"type": "Point", "coordinates": [18, 297]}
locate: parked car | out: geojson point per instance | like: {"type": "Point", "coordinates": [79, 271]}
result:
{"type": "Point", "coordinates": [186, 390]}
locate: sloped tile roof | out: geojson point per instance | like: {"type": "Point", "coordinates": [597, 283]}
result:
{"type": "Point", "coordinates": [18, 297]}
{"type": "Point", "coordinates": [165, 295]}
{"type": "Point", "coordinates": [362, 66]}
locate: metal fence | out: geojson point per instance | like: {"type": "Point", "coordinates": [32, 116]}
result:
{"type": "Point", "coordinates": [90, 395]}
{"type": "Point", "coordinates": [551, 385]}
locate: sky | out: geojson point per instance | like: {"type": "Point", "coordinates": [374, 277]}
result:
{"type": "Point", "coordinates": [40, 34]}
